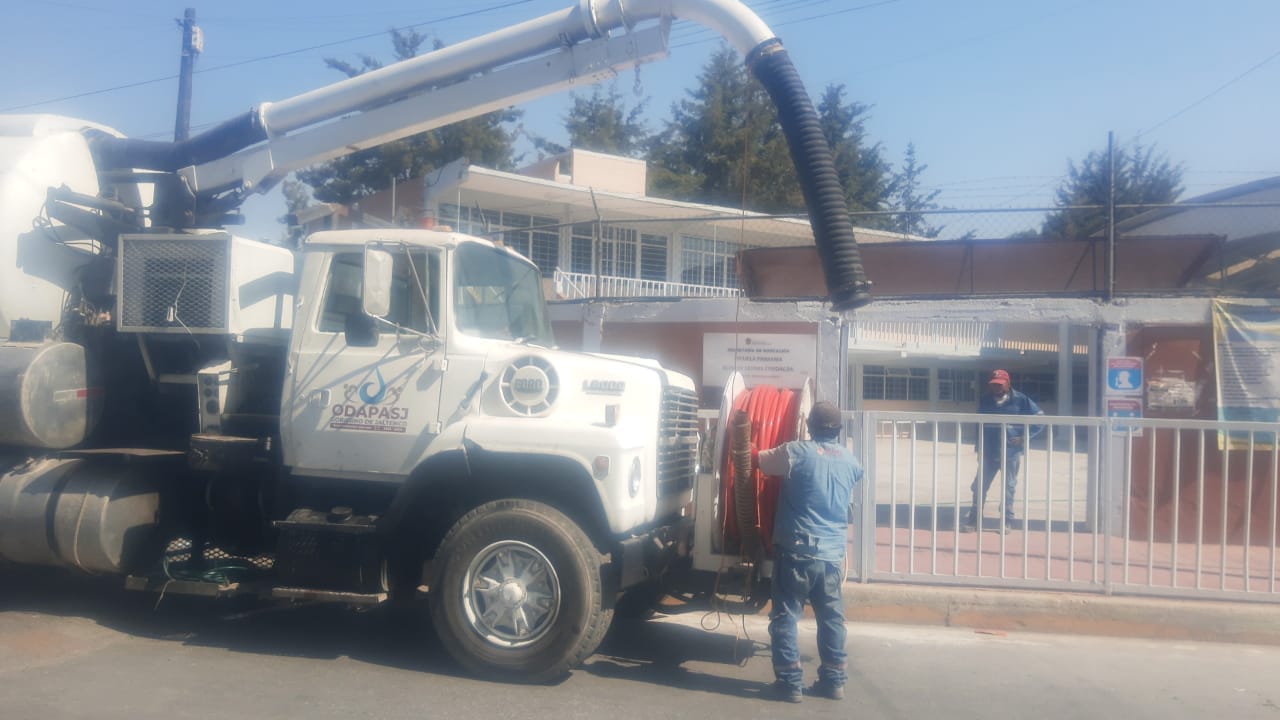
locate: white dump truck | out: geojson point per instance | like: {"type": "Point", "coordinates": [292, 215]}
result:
{"type": "Point", "coordinates": [378, 416]}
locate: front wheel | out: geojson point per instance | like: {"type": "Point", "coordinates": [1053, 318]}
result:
{"type": "Point", "coordinates": [516, 592]}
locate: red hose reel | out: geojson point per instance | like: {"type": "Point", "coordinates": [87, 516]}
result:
{"type": "Point", "coordinates": [761, 418]}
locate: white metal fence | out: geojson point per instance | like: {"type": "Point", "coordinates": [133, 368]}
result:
{"type": "Point", "coordinates": [1145, 506]}
{"type": "Point", "coordinates": [579, 286]}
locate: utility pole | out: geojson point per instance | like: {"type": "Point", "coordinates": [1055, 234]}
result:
{"type": "Point", "coordinates": [1111, 216]}
{"type": "Point", "coordinates": [192, 45]}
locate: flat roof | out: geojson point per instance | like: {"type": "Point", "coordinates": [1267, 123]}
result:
{"type": "Point", "coordinates": [521, 193]}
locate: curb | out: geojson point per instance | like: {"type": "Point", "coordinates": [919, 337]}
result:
{"type": "Point", "coordinates": [1064, 613]}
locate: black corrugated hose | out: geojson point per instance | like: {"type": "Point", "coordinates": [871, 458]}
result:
{"type": "Point", "coordinates": [114, 153]}
{"type": "Point", "coordinates": [828, 211]}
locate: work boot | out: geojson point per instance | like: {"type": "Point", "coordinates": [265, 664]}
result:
{"type": "Point", "coordinates": [782, 692]}
{"type": "Point", "coordinates": [828, 690]}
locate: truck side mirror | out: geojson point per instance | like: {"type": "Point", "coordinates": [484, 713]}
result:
{"type": "Point", "coordinates": [375, 296]}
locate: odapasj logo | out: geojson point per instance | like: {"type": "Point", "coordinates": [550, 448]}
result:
{"type": "Point", "coordinates": [375, 391]}
{"type": "Point", "coordinates": [376, 396]}
{"type": "Point", "coordinates": [371, 406]}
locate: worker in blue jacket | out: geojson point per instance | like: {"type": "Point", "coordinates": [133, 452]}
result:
{"type": "Point", "coordinates": [1000, 445]}
{"type": "Point", "coordinates": [810, 531]}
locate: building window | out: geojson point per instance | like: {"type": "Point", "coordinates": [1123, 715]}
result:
{"type": "Point", "coordinates": [653, 257]}
{"type": "Point", "coordinates": [580, 244]}
{"type": "Point", "coordinates": [880, 382]}
{"type": "Point", "coordinates": [706, 261]}
{"type": "Point", "coordinates": [1079, 389]}
{"type": "Point", "coordinates": [618, 250]}
{"type": "Point", "coordinates": [1039, 386]}
{"type": "Point", "coordinates": [623, 252]}
{"type": "Point", "coordinates": [535, 237]}
{"type": "Point", "coordinates": [957, 386]}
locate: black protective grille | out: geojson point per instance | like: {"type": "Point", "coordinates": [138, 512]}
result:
{"type": "Point", "coordinates": [677, 441]}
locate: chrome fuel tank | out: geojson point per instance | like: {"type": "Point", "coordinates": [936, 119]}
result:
{"type": "Point", "coordinates": [46, 400]}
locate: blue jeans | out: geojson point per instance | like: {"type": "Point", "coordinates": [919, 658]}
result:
{"type": "Point", "coordinates": [987, 472]}
{"type": "Point", "coordinates": [795, 580]}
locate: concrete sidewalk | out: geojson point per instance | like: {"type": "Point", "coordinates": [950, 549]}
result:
{"type": "Point", "coordinates": [1058, 612]}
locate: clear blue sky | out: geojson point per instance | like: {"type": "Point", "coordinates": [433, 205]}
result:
{"type": "Point", "coordinates": [997, 95]}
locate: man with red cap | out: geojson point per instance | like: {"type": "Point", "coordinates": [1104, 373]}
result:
{"type": "Point", "coordinates": [1000, 445]}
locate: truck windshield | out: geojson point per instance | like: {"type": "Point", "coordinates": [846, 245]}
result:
{"type": "Point", "coordinates": [499, 296]}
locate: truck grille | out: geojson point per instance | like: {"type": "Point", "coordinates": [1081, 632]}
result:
{"type": "Point", "coordinates": [677, 441]}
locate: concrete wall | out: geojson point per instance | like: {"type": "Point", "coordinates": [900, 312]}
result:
{"type": "Point", "coordinates": [672, 333]}
{"type": "Point", "coordinates": [610, 173]}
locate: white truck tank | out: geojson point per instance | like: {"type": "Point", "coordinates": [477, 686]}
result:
{"type": "Point", "coordinates": [39, 258]}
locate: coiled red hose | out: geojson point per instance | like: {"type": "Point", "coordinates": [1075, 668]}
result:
{"type": "Point", "coordinates": [747, 520]}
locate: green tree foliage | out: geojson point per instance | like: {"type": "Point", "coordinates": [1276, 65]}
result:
{"type": "Point", "coordinates": [484, 139]}
{"type": "Point", "coordinates": [722, 138]}
{"type": "Point", "coordinates": [861, 166]}
{"type": "Point", "coordinates": [907, 198]}
{"type": "Point", "coordinates": [296, 199]}
{"type": "Point", "coordinates": [601, 122]}
{"type": "Point", "coordinates": [724, 145]}
{"type": "Point", "coordinates": [1143, 175]}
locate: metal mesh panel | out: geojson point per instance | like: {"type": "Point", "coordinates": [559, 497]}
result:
{"type": "Point", "coordinates": [174, 283]}
{"type": "Point", "coordinates": [179, 551]}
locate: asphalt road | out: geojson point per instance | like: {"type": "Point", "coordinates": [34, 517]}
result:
{"type": "Point", "coordinates": [73, 647]}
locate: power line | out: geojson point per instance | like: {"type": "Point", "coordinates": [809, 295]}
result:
{"type": "Point", "coordinates": [982, 181]}
{"type": "Point", "coordinates": [799, 20]}
{"type": "Point", "coordinates": [687, 31]}
{"type": "Point", "coordinates": [111, 10]}
{"type": "Point", "coordinates": [302, 18]}
{"type": "Point", "coordinates": [963, 42]}
{"type": "Point", "coordinates": [262, 58]}
{"type": "Point", "coordinates": [1215, 91]}
{"type": "Point", "coordinates": [89, 93]}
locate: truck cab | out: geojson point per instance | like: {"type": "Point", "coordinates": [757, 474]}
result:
{"type": "Point", "coordinates": [414, 345]}
{"type": "Point", "coordinates": [432, 433]}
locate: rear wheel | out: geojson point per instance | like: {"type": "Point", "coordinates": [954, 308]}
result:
{"type": "Point", "coordinates": [516, 592]}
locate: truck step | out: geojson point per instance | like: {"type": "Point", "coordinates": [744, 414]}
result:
{"type": "Point", "coordinates": [349, 598]}
{"type": "Point", "coordinates": [165, 585]}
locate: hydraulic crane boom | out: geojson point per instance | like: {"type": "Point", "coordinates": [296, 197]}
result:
{"type": "Point", "coordinates": [584, 44]}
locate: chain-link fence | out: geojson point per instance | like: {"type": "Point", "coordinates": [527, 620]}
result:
{"type": "Point", "coordinates": [1233, 220]}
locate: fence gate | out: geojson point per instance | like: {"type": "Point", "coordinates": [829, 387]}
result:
{"type": "Point", "coordinates": [1181, 508]}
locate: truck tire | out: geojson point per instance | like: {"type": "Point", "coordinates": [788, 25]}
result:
{"type": "Point", "coordinates": [516, 592]}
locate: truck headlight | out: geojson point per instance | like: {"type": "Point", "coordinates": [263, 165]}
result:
{"type": "Point", "coordinates": [633, 482]}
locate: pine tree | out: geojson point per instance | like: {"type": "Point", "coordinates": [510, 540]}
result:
{"type": "Point", "coordinates": [484, 140]}
{"type": "Point", "coordinates": [601, 122]}
{"type": "Point", "coordinates": [907, 198]}
{"type": "Point", "coordinates": [724, 145]}
{"type": "Point", "coordinates": [1143, 176]}
{"type": "Point", "coordinates": [296, 199]}
{"type": "Point", "coordinates": [863, 172]}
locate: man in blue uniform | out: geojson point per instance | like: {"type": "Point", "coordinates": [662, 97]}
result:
{"type": "Point", "coordinates": [993, 445]}
{"type": "Point", "coordinates": [810, 532]}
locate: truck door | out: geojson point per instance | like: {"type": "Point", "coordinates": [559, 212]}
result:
{"type": "Point", "coordinates": [365, 394]}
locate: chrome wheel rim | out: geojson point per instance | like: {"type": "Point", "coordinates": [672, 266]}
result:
{"type": "Point", "coordinates": [511, 594]}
